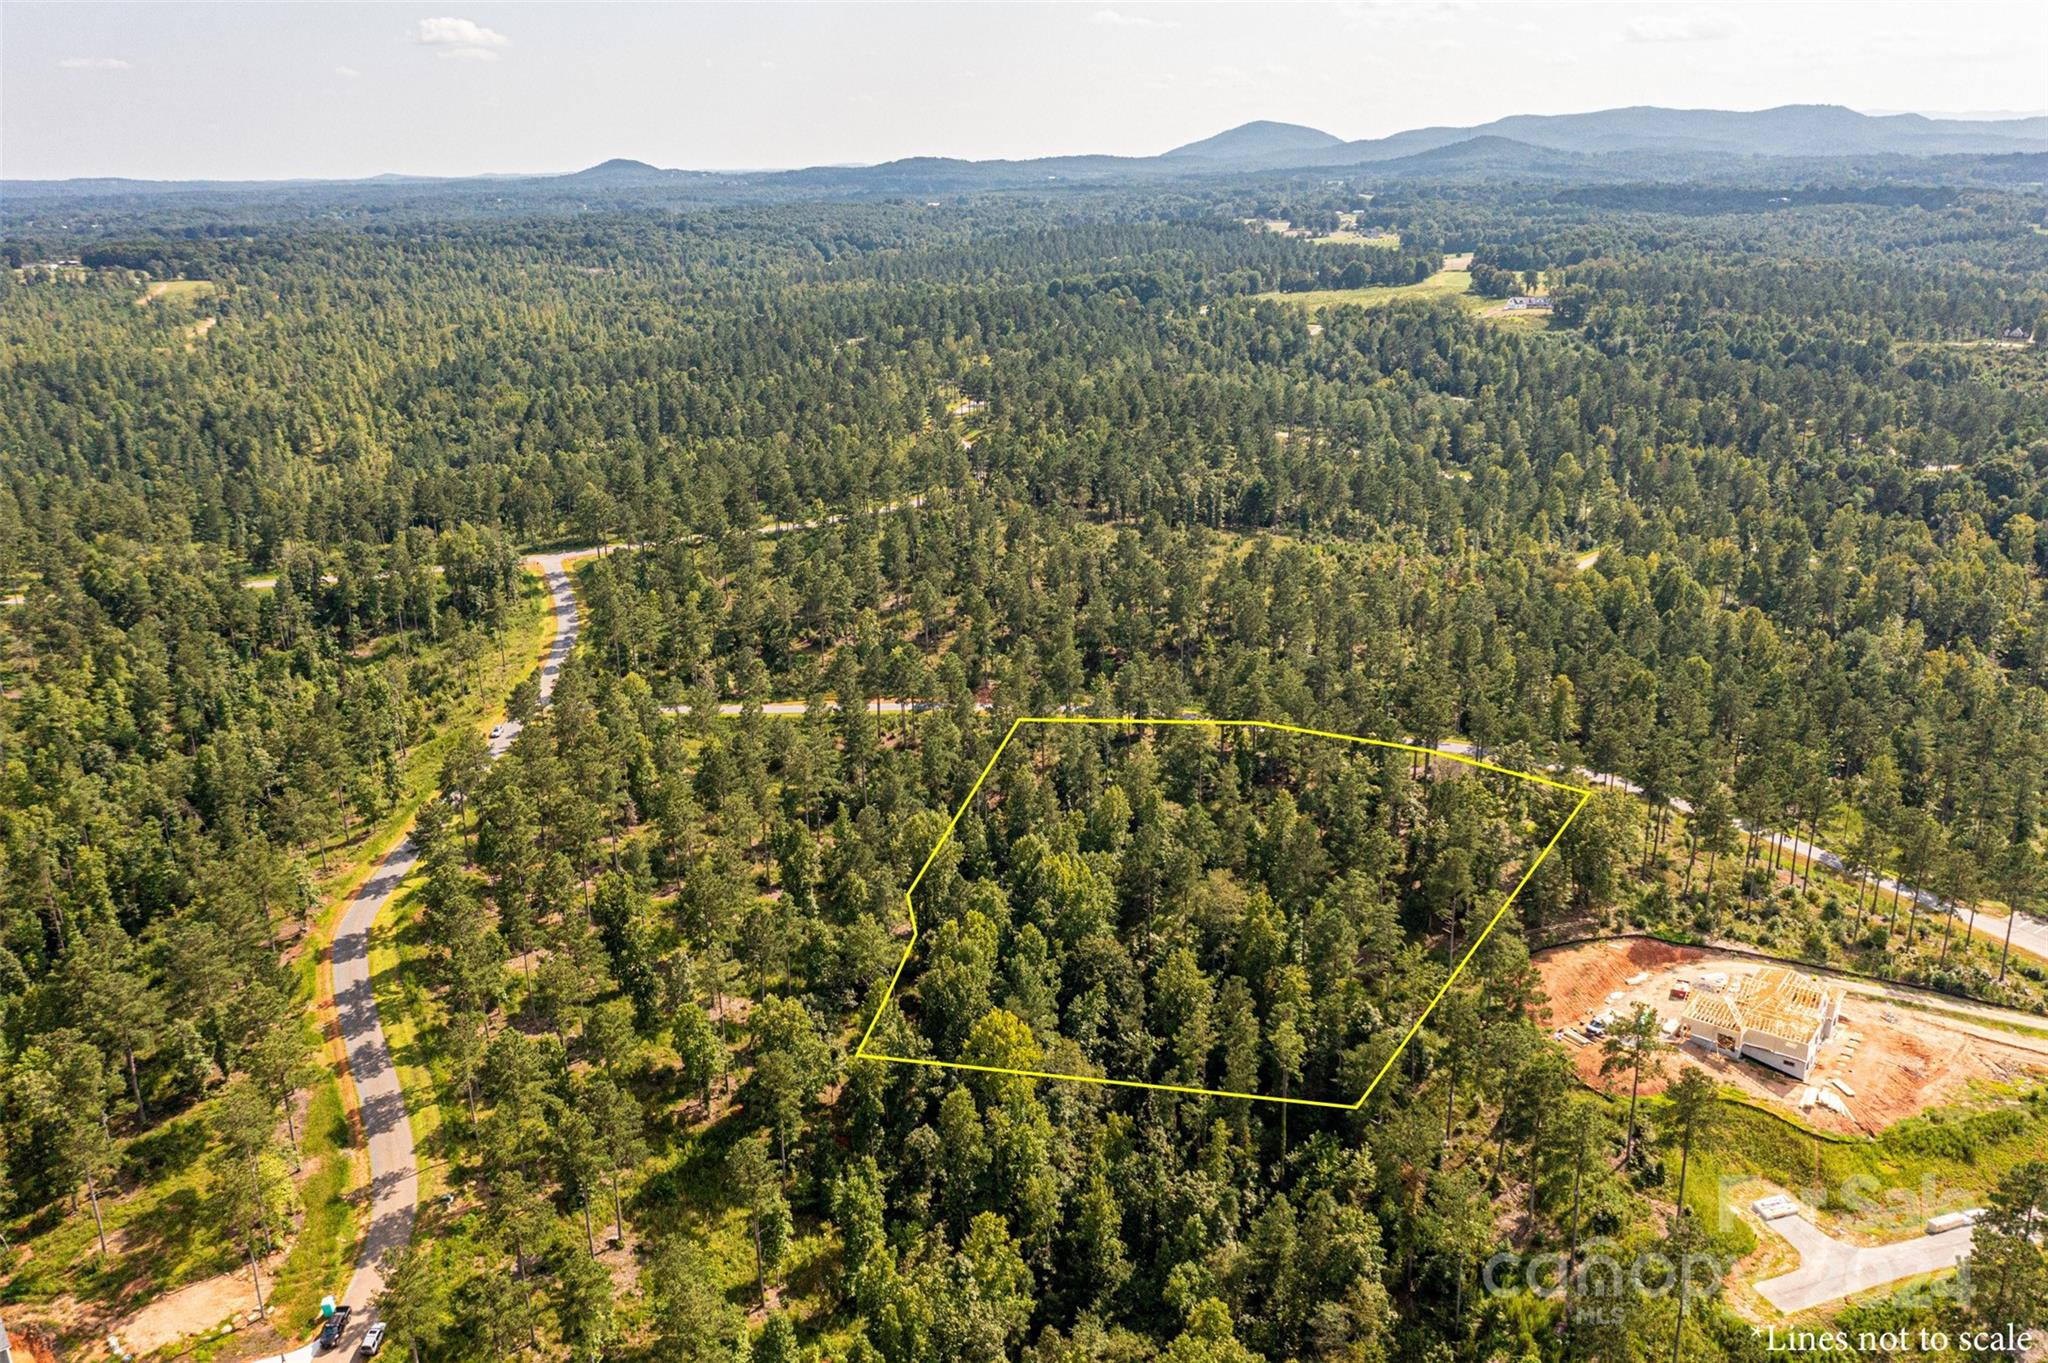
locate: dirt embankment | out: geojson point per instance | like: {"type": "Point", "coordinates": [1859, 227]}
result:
{"type": "Point", "coordinates": [31, 1344]}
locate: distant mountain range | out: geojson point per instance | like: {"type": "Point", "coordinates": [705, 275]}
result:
{"type": "Point", "coordinates": [1805, 131]}
{"type": "Point", "coordinates": [1802, 130]}
{"type": "Point", "coordinates": [1613, 144]}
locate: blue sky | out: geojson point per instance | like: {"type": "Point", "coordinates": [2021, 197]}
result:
{"type": "Point", "coordinates": [275, 90]}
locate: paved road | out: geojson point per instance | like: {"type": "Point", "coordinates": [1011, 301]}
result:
{"type": "Point", "coordinates": [2028, 934]}
{"type": "Point", "coordinates": [1829, 1268]}
{"type": "Point", "coordinates": [394, 1165]}
{"type": "Point", "coordinates": [394, 1168]}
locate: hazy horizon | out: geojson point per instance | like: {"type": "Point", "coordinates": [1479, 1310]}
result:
{"type": "Point", "coordinates": [232, 92]}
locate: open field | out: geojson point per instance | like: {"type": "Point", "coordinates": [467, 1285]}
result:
{"type": "Point", "coordinates": [1506, 313]}
{"type": "Point", "coordinates": [1345, 236]}
{"type": "Point", "coordinates": [1445, 283]}
{"type": "Point", "coordinates": [1895, 1061]}
{"type": "Point", "coordinates": [1453, 281]}
{"type": "Point", "coordinates": [175, 289]}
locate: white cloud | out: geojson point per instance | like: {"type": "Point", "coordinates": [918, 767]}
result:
{"type": "Point", "coordinates": [1385, 13]}
{"type": "Point", "coordinates": [1697, 26]}
{"type": "Point", "coordinates": [464, 39]}
{"type": "Point", "coordinates": [1114, 18]}
{"type": "Point", "coordinates": [347, 72]}
{"type": "Point", "coordinates": [93, 64]}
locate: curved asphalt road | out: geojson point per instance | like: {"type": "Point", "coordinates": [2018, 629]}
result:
{"type": "Point", "coordinates": [394, 1170]}
{"type": "Point", "coordinates": [394, 1166]}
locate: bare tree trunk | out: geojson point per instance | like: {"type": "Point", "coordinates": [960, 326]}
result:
{"type": "Point", "coordinates": [255, 1277]}
{"type": "Point", "coordinates": [1635, 1084]}
{"type": "Point", "coordinates": [1500, 1153]}
{"type": "Point", "coordinates": [618, 1208]}
{"type": "Point", "coordinates": [92, 1194]}
{"type": "Point", "coordinates": [135, 1086]}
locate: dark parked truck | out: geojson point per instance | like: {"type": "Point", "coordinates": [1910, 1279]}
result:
{"type": "Point", "coordinates": [335, 1328]}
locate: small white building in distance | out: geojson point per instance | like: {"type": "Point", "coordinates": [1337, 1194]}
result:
{"type": "Point", "coordinates": [1776, 1016]}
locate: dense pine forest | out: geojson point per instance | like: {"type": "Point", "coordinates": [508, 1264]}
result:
{"type": "Point", "coordinates": [1748, 509]}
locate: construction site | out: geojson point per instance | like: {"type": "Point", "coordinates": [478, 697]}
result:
{"type": "Point", "coordinates": [1843, 1055]}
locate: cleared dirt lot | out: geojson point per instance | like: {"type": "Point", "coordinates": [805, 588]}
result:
{"type": "Point", "coordinates": [1885, 1062]}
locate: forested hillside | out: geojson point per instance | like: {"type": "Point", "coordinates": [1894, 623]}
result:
{"type": "Point", "coordinates": [1752, 513]}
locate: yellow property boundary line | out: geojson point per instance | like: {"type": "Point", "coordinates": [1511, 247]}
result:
{"type": "Point", "coordinates": [862, 1052]}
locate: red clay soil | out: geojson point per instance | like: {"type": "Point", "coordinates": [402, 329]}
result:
{"type": "Point", "coordinates": [31, 1345]}
{"type": "Point", "coordinates": [1579, 979]}
{"type": "Point", "coordinates": [1885, 1061]}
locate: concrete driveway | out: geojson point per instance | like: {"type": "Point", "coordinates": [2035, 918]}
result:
{"type": "Point", "coordinates": [1830, 1268]}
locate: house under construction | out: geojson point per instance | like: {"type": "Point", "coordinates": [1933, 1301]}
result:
{"type": "Point", "coordinates": [1774, 1015]}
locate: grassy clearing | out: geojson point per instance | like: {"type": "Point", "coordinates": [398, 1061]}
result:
{"type": "Point", "coordinates": [161, 1232]}
{"type": "Point", "coordinates": [1453, 283]}
{"type": "Point", "coordinates": [398, 949]}
{"type": "Point", "coordinates": [1347, 237]}
{"type": "Point", "coordinates": [1521, 319]}
{"type": "Point", "coordinates": [175, 290]}
{"type": "Point", "coordinates": [1443, 284]}
{"type": "Point", "coordinates": [319, 1259]}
